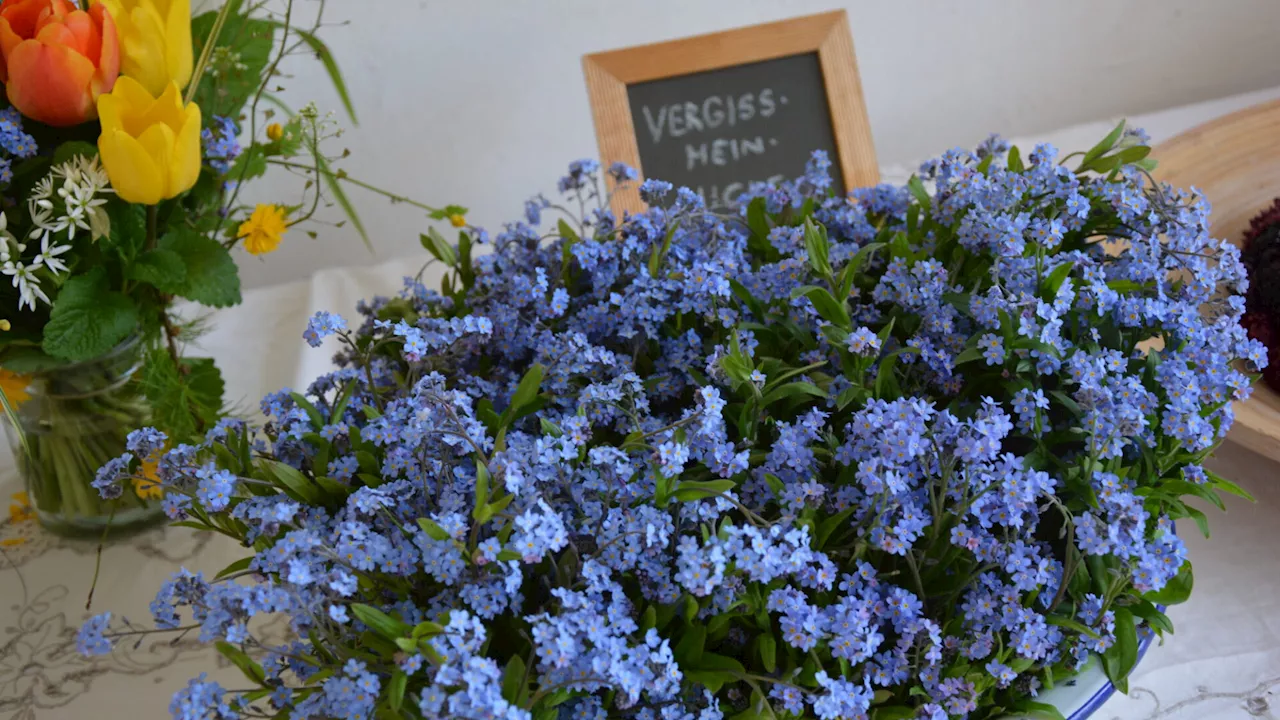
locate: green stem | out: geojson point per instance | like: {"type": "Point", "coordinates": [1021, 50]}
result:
{"type": "Point", "coordinates": [358, 183]}
{"type": "Point", "coordinates": [207, 51]}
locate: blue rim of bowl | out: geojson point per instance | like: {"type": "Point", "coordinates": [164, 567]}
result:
{"type": "Point", "coordinates": [1105, 692]}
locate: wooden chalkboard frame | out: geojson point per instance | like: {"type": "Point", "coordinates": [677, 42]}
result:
{"type": "Point", "coordinates": [609, 73]}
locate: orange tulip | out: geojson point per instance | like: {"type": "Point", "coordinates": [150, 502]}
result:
{"type": "Point", "coordinates": [55, 59]}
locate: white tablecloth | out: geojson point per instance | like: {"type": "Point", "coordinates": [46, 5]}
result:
{"type": "Point", "coordinates": [1223, 662]}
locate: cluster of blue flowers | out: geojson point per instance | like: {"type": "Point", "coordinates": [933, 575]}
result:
{"type": "Point", "coordinates": [905, 453]}
{"type": "Point", "coordinates": [221, 143]}
{"type": "Point", "coordinates": [14, 142]}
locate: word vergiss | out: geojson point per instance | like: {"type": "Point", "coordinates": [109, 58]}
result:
{"type": "Point", "coordinates": [679, 119]}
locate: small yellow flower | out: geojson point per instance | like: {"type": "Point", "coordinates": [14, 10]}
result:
{"type": "Point", "coordinates": [275, 131]}
{"type": "Point", "coordinates": [457, 220]}
{"type": "Point", "coordinates": [14, 387]}
{"type": "Point", "coordinates": [4, 325]}
{"type": "Point", "coordinates": [20, 509]}
{"type": "Point", "coordinates": [148, 486]}
{"type": "Point", "coordinates": [263, 230]}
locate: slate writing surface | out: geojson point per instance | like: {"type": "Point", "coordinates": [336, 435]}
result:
{"type": "Point", "coordinates": [720, 130]}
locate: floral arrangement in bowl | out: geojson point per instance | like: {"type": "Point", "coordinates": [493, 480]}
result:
{"type": "Point", "coordinates": [915, 453]}
{"type": "Point", "coordinates": [130, 131]}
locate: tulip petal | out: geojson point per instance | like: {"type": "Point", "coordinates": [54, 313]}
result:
{"type": "Point", "coordinates": [158, 142]}
{"type": "Point", "coordinates": [8, 41]}
{"type": "Point", "coordinates": [178, 39]}
{"type": "Point", "coordinates": [85, 34]}
{"type": "Point", "coordinates": [108, 60]}
{"type": "Point", "coordinates": [134, 104]}
{"type": "Point", "coordinates": [143, 42]}
{"type": "Point", "coordinates": [133, 173]}
{"type": "Point", "coordinates": [50, 83]}
{"type": "Point", "coordinates": [186, 156]}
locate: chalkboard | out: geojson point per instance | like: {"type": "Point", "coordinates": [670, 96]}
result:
{"type": "Point", "coordinates": [717, 112]}
{"type": "Point", "coordinates": [720, 130]}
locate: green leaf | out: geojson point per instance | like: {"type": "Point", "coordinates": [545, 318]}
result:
{"type": "Point", "coordinates": [892, 712]}
{"type": "Point", "coordinates": [690, 490]}
{"type": "Point", "coordinates": [293, 482]}
{"type": "Point", "coordinates": [237, 566]}
{"type": "Point", "coordinates": [1014, 160]}
{"type": "Point", "coordinates": [918, 191]}
{"type": "Point", "coordinates": [380, 622]}
{"type": "Point", "coordinates": [1032, 710]}
{"type": "Point", "coordinates": [1225, 485]}
{"type": "Point", "coordinates": [689, 650]}
{"type": "Point", "coordinates": [850, 272]}
{"type": "Point", "coordinates": [251, 41]}
{"type": "Point", "coordinates": [566, 231]}
{"type": "Point", "coordinates": [1152, 616]}
{"type": "Point", "coordinates": [88, 318]}
{"type": "Point", "coordinates": [1104, 146]}
{"type": "Point", "coordinates": [211, 275]}
{"type": "Point", "coordinates": [550, 428]}
{"type": "Point", "coordinates": [325, 57]}
{"type": "Point", "coordinates": [163, 269]}
{"type": "Point", "coordinates": [659, 252]}
{"type": "Point", "coordinates": [440, 248]}
{"type": "Point", "coordinates": [251, 669]}
{"type": "Point", "coordinates": [481, 512]}
{"type": "Point", "coordinates": [251, 164]}
{"type": "Point", "coordinates": [819, 249]}
{"type": "Point", "coordinates": [527, 390]}
{"type": "Point", "coordinates": [513, 679]}
{"type": "Point", "coordinates": [790, 390]}
{"type": "Point", "coordinates": [768, 652]}
{"type": "Point", "coordinates": [828, 307]}
{"type": "Point", "coordinates": [1056, 278]}
{"type": "Point", "coordinates": [1118, 661]}
{"type": "Point", "coordinates": [433, 529]}
{"type": "Point", "coordinates": [1177, 590]}
{"type": "Point", "coordinates": [73, 148]}
{"type": "Point", "coordinates": [758, 222]}
{"type": "Point", "coordinates": [396, 688]}
{"type": "Point", "coordinates": [332, 181]}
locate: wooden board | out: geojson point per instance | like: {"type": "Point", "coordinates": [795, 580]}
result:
{"type": "Point", "coordinates": [608, 75]}
{"type": "Point", "coordinates": [1235, 161]}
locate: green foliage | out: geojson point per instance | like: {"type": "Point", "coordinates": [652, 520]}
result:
{"type": "Point", "coordinates": [210, 273]}
{"type": "Point", "coordinates": [250, 41]}
{"type": "Point", "coordinates": [185, 399]}
{"type": "Point", "coordinates": [88, 318]}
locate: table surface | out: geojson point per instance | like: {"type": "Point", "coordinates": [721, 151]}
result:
{"type": "Point", "coordinates": [1223, 661]}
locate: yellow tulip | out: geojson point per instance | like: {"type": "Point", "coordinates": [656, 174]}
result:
{"type": "Point", "coordinates": [150, 146]}
{"type": "Point", "coordinates": [155, 41]}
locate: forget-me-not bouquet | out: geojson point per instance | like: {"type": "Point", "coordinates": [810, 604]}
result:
{"type": "Point", "coordinates": [914, 453]}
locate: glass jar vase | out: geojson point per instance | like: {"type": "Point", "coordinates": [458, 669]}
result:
{"type": "Point", "coordinates": [76, 418]}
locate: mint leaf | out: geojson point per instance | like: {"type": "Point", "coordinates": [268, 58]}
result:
{"type": "Point", "coordinates": [162, 268]}
{"type": "Point", "coordinates": [88, 318]}
{"type": "Point", "coordinates": [128, 228]}
{"type": "Point", "coordinates": [211, 273]}
{"type": "Point", "coordinates": [204, 387]}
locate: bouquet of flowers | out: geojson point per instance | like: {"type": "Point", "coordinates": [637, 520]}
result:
{"type": "Point", "coordinates": [121, 168]}
{"type": "Point", "coordinates": [915, 453]}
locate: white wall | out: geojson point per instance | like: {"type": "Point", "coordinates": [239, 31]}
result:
{"type": "Point", "coordinates": [482, 102]}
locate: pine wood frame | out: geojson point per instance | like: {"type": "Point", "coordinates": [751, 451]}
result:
{"type": "Point", "coordinates": [609, 73]}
